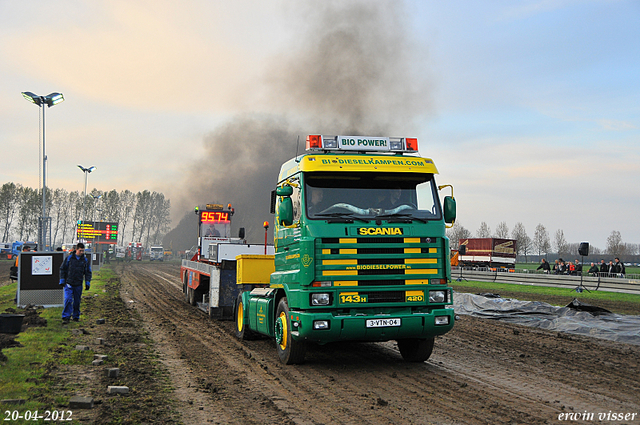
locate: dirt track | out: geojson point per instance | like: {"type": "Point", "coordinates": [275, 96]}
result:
{"type": "Point", "coordinates": [5, 265]}
{"type": "Point", "coordinates": [483, 372]}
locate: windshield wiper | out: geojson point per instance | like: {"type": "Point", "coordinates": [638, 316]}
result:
{"type": "Point", "coordinates": [341, 215]}
{"type": "Point", "coordinates": [401, 215]}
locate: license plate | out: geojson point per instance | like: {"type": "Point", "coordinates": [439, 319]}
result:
{"type": "Point", "coordinates": [383, 323]}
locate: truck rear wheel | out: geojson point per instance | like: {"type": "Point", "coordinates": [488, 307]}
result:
{"type": "Point", "coordinates": [242, 330]}
{"type": "Point", "coordinates": [416, 350]}
{"type": "Point", "coordinates": [290, 351]}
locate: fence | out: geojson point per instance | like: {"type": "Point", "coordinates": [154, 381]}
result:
{"type": "Point", "coordinates": [629, 284]}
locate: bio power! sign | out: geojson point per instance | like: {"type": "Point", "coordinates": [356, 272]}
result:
{"type": "Point", "coordinates": [363, 143]}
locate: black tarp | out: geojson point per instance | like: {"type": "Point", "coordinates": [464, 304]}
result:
{"type": "Point", "coordinates": [575, 319]}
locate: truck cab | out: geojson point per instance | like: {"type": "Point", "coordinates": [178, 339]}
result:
{"type": "Point", "coordinates": [156, 253]}
{"type": "Point", "coordinates": [360, 250]}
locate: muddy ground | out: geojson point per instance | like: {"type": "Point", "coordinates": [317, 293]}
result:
{"type": "Point", "coordinates": [5, 265]}
{"type": "Point", "coordinates": [483, 372]}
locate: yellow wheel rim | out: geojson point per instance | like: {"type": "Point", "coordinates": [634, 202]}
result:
{"type": "Point", "coordinates": [240, 317]}
{"type": "Point", "coordinates": [285, 330]}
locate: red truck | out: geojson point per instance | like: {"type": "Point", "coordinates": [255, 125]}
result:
{"type": "Point", "coordinates": [492, 253]}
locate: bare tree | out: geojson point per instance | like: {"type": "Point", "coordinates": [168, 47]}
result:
{"type": "Point", "coordinates": [127, 205]}
{"type": "Point", "coordinates": [29, 210]}
{"type": "Point", "coordinates": [541, 242]}
{"type": "Point", "coordinates": [161, 217]}
{"type": "Point", "coordinates": [110, 208]}
{"type": "Point", "coordinates": [560, 243]}
{"type": "Point", "coordinates": [502, 230]}
{"type": "Point", "coordinates": [20, 209]}
{"type": "Point", "coordinates": [484, 231]}
{"type": "Point", "coordinates": [615, 246]}
{"type": "Point", "coordinates": [457, 232]}
{"type": "Point", "coordinates": [59, 204]}
{"type": "Point", "coordinates": [523, 241]}
{"type": "Point", "coordinates": [8, 207]}
{"type": "Point", "coordinates": [632, 248]}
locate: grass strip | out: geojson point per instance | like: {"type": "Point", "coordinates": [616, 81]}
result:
{"type": "Point", "coordinates": [47, 369]}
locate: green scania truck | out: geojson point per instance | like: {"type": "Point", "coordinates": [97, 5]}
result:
{"type": "Point", "coordinates": [360, 251]}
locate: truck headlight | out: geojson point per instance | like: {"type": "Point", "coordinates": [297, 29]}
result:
{"type": "Point", "coordinates": [320, 324]}
{"type": "Point", "coordinates": [442, 320]}
{"type": "Point", "coordinates": [437, 296]}
{"type": "Point", "coordinates": [320, 299]}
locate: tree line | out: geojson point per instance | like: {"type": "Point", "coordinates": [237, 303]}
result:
{"type": "Point", "coordinates": [142, 217]}
{"type": "Point", "coordinates": [541, 243]}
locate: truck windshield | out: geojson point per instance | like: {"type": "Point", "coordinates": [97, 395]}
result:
{"type": "Point", "coordinates": [369, 195]}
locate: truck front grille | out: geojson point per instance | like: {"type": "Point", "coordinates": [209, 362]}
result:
{"type": "Point", "coordinates": [379, 261]}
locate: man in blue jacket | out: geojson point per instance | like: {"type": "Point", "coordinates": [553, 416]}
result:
{"type": "Point", "coordinates": [75, 268]}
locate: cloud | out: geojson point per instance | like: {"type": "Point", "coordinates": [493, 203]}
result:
{"type": "Point", "coordinates": [138, 55]}
{"type": "Point", "coordinates": [530, 8]}
{"type": "Point", "coordinates": [616, 125]}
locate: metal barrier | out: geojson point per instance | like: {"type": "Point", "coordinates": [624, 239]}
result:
{"type": "Point", "coordinates": [629, 284]}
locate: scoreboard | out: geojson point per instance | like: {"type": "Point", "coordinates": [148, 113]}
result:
{"type": "Point", "coordinates": [98, 231]}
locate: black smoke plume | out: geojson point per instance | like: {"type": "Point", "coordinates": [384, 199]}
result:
{"type": "Point", "coordinates": [352, 70]}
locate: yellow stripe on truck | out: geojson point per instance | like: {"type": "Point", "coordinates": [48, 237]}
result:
{"type": "Point", "coordinates": [340, 273]}
{"type": "Point", "coordinates": [421, 261]}
{"type": "Point", "coordinates": [339, 262]}
{"type": "Point", "coordinates": [421, 271]}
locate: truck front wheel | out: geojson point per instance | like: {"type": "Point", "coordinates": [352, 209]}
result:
{"type": "Point", "coordinates": [415, 350]}
{"type": "Point", "coordinates": [290, 351]}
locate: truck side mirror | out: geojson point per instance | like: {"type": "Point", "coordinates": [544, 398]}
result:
{"type": "Point", "coordinates": [285, 211]}
{"type": "Point", "coordinates": [449, 209]}
{"type": "Point", "coordinates": [284, 191]}
{"type": "Point", "coordinates": [241, 233]}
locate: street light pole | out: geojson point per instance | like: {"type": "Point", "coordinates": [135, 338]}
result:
{"type": "Point", "coordinates": [86, 172]}
{"type": "Point", "coordinates": [49, 100]}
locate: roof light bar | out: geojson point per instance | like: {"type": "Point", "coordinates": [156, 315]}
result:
{"type": "Point", "coordinates": [362, 143]}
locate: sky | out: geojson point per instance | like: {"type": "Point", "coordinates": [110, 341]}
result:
{"type": "Point", "coordinates": [529, 108]}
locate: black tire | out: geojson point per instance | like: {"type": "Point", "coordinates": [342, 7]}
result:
{"type": "Point", "coordinates": [242, 330]}
{"type": "Point", "coordinates": [192, 296]}
{"type": "Point", "coordinates": [289, 350]}
{"type": "Point", "coordinates": [415, 350]}
{"type": "Point", "coordinates": [185, 288]}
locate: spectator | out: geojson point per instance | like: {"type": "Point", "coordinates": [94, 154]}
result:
{"type": "Point", "coordinates": [556, 265]}
{"type": "Point", "coordinates": [73, 271]}
{"type": "Point", "coordinates": [578, 268]}
{"type": "Point", "coordinates": [571, 268]}
{"type": "Point", "coordinates": [593, 271]}
{"type": "Point", "coordinates": [544, 266]}
{"type": "Point", "coordinates": [612, 269]}
{"type": "Point", "coordinates": [604, 269]}
{"type": "Point", "coordinates": [562, 267]}
{"type": "Point", "coordinates": [619, 267]}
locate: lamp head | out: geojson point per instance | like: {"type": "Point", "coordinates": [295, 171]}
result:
{"type": "Point", "coordinates": [53, 99]}
{"type": "Point", "coordinates": [32, 97]}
